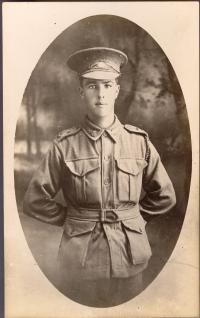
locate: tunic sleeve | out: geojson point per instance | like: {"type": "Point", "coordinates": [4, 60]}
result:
{"type": "Point", "coordinates": [160, 195]}
{"type": "Point", "coordinates": [39, 199]}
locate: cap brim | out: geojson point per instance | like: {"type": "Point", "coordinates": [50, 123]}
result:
{"type": "Point", "coordinates": [101, 75]}
{"type": "Point", "coordinates": [80, 60]}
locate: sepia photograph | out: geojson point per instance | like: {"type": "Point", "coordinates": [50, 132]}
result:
{"type": "Point", "coordinates": [102, 161]}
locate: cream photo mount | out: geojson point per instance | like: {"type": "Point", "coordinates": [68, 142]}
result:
{"type": "Point", "coordinates": [28, 29]}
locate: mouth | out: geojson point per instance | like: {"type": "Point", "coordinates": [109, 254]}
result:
{"type": "Point", "coordinates": [100, 104]}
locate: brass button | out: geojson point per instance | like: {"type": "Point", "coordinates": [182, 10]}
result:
{"type": "Point", "coordinates": [107, 181]}
{"type": "Point", "coordinates": [105, 134]}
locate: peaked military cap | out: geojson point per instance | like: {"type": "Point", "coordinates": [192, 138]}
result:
{"type": "Point", "coordinates": [98, 62]}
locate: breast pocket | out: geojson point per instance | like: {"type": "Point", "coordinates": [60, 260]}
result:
{"type": "Point", "coordinates": [139, 247]}
{"type": "Point", "coordinates": [129, 172]}
{"type": "Point", "coordinates": [84, 175]}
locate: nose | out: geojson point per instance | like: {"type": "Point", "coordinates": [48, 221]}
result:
{"type": "Point", "coordinates": [101, 92]}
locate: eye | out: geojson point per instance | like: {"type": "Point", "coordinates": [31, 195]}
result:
{"type": "Point", "coordinates": [107, 85]}
{"type": "Point", "coordinates": [91, 86]}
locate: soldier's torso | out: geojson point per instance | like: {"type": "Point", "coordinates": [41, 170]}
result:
{"type": "Point", "coordinates": [105, 171]}
{"type": "Point", "coordinates": [102, 170]}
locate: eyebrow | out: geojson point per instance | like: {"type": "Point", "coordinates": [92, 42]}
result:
{"type": "Point", "coordinates": [96, 81]}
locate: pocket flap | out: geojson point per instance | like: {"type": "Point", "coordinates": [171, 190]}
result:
{"type": "Point", "coordinates": [132, 166]}
{"type": "Point", "coordinates": [77, 227]}
{"type": "Point", "coordinates": [82, 166]}
{"type": "Point", "coordinates": [133, 225]}
{"type": "Point", "coordinates": [140, 250]}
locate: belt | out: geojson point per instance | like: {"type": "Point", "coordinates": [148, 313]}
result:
{"type": "Point", "coordinates": [103, 215]}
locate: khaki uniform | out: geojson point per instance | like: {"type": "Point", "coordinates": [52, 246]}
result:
{"type": "Point", "coordinates": [101, 173]}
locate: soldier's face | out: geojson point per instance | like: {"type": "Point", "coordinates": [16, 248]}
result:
{"type": "Point", "coordinates": [99, 97]}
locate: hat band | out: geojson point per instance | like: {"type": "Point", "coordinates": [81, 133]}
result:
{"type": "Point", "coordinates": [100, 70]}
{"type": "Point", "coordinates": [100, 74]}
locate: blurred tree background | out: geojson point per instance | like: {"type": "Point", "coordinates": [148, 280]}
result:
{"type": "Point", "coordinates": [150, 98]}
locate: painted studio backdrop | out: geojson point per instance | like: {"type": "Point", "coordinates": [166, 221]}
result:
{"type": "Point", "coordinates": [150, 98]}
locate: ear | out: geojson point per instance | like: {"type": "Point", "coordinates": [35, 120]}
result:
{"type": "Point", "coordinates": [81, 92]}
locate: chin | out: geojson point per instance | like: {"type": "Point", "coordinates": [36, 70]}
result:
{"type": "Point", "coordinates": [102, 113]}
{"type": "Point", "coordinates": [101, 116]}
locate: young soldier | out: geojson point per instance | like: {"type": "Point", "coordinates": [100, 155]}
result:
{"type": "Point", "coordinates": [101, 168]}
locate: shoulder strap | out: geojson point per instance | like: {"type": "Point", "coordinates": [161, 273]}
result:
{"type": "Point", "coordinates": [136, 130]}
{"type": "Point", "coordinates": [67, 132]}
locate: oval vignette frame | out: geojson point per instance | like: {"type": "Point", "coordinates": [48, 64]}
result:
{"type": "Point", "coordinates": [150, 93]}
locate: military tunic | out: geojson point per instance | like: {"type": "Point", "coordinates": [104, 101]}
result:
{"type": "Point", "coordinates": [101, 173]}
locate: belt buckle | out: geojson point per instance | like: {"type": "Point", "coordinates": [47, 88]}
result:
{"type": "Point", "coordinates": [108, 216]}
{"type": "Point", "coordinates": [102, 215]}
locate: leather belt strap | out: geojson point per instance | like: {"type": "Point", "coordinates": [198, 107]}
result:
{"type": "Point", "coordinates": [103, 215]}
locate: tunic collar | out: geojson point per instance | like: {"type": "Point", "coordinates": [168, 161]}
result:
{"type": "Point", "coordinates": [94, 132]}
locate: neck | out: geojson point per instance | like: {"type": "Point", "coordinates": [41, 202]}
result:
{"type": "Point", "coordinates": [103, 122]}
